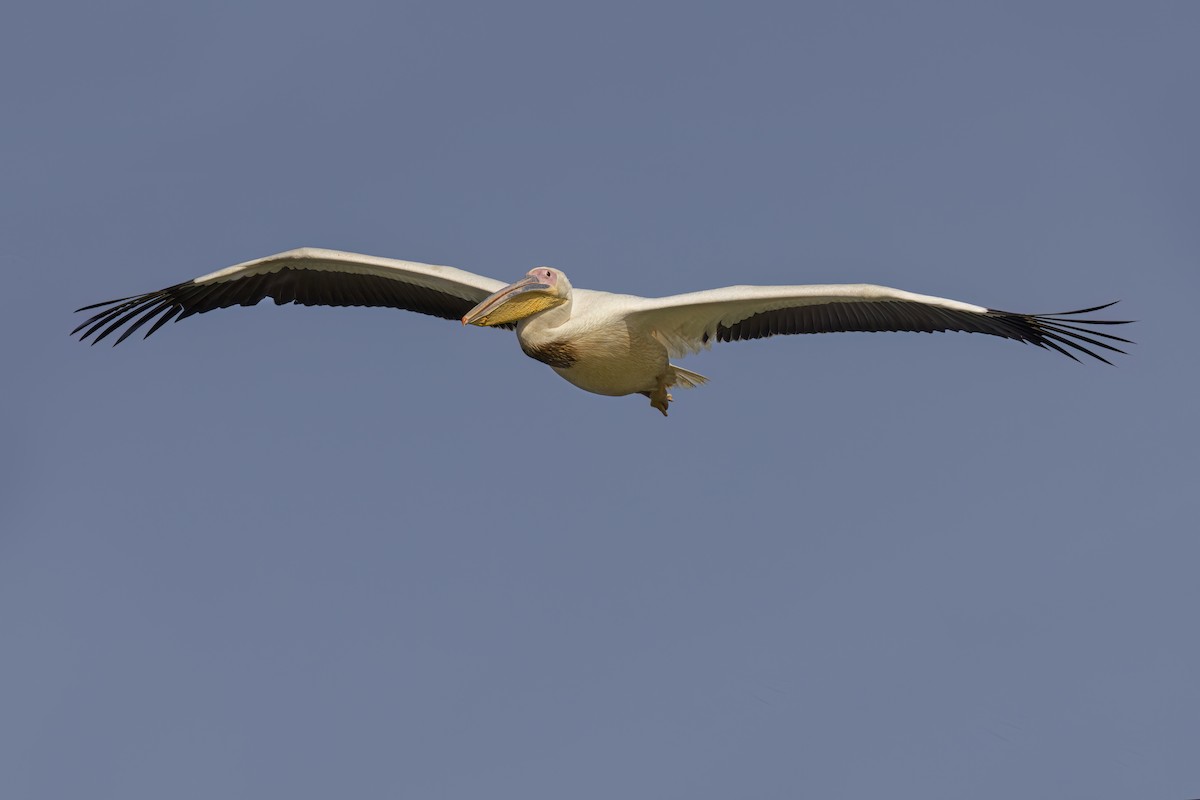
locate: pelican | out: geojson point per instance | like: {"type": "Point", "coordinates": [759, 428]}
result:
{"type": "Point", "coordinates": [609, 344]}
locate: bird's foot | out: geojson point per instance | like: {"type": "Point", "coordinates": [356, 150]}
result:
{"type": "Point", "coordinates": [660, 399]}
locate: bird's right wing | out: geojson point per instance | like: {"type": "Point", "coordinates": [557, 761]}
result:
{"type": "Point", "coordinates": [307, 276]}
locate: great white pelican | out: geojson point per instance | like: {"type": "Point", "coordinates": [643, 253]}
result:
{"type": "Point", "coordinates": [609, 344]}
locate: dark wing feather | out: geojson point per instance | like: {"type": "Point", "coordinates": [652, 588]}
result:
{"type": "Point", "coordinates": [686, 323]}
{"type": "Point", "coordinates": [293, 282]}
{"type": "Point", "coordinates": [1057, 331]}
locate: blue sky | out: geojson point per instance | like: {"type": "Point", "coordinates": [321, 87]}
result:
{"type": "Point", "coordinates": [317, 552]}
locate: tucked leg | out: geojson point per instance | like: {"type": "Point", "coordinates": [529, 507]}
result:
{"type": "Point", "coordinates": [660, 399]}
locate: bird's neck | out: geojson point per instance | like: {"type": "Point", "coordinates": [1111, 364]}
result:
{"type": "Point", "coordinates": [546, 321]}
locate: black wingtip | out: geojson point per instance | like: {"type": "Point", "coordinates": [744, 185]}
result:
{"type": "Point", "coordinates": [105, 303]}
{"type": "Point", "coordinates": [1082, 310]}
{"type": "Point", "coordinates": [1066, 332]}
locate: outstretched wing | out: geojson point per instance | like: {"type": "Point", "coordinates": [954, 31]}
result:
{"type": "Point", "coordinates": [686, 323]}
{"type": "Point", "coordinates": [307, 276]}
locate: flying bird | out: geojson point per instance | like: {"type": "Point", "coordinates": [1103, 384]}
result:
{"type": "Point", "coordinates": [609, 344]}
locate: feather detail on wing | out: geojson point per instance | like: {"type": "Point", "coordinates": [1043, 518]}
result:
{"type": "Point", "coordinates": [687, 323]}
{"type": "Point", "coordinates": [306, 276]}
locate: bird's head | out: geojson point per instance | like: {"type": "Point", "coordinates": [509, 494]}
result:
{"type": "Point", "coordinates": [542, 288]}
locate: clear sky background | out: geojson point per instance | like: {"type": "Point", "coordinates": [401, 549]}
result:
{"type": "Point", "coordinates": [311, 553]}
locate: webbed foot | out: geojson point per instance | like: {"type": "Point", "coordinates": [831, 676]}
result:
{"type": "Point", "coordinates": [660, 399]}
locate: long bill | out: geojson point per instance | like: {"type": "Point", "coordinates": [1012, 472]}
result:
{"type": "Point", "coordinates": [513, 302]}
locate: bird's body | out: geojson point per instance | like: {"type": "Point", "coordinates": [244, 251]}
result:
{"type": "Point", "coordinates": [608, 344]}
{"type": "Point", "coordinates": [592, 343]}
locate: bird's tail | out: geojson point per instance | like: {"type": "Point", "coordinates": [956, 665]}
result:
{"type": "Point", "coordinates": [686, 379]}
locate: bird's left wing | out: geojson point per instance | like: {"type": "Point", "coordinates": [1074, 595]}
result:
{"type": "Point", "coordinates": [686, 323]}
{"type": "Point", "coordinates": [307, 276]}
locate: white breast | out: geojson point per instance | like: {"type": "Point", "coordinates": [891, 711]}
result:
{"type": "Point", "coordinates": [594, 347]}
